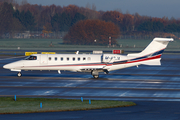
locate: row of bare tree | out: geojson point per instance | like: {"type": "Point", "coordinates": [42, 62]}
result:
{"type": "Point", "coordinates": [22, 16]}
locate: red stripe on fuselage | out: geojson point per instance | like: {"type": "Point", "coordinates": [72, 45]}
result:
{"type": "Point", "coordinates": [70, 65]}
{"type": "Point", "coordinates": [150, 58]}
{"type": "Point", "coordinates": [145, 59]}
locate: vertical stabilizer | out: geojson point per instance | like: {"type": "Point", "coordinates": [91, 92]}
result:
{"type": "Point", "coordinates": [157, 46]}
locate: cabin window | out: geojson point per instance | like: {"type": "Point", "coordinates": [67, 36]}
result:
{"type": "Point", "coordinates": [74, 59]}
{"type": "Point", "coordinates": [84, 59]}
{"type": "Point", "coordinates": [31, 58]}
{"type": "Point", "coordinates": [49, 58]}
{"type": "Point", "coordinates": [67, 59]}
{"type": "Point", "coordinates": [61, 58]}
{"type": "Point", "coordinates": [55, 58]}
{"type": "Point", "coordinates": [79, 59]}
{"type": "Point", "coordinates": [89, 58]}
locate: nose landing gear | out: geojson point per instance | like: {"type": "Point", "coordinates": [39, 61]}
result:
{"type": "Point", "coordinates": [19, 74]}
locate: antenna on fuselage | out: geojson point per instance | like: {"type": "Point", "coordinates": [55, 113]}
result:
{"type": "Point", "coordinates": [77, 52]}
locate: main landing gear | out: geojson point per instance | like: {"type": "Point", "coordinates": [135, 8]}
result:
{"type": "Point", "coordinates": [19, 74]}
{"type": "Point", "coordinates": [96, 76]}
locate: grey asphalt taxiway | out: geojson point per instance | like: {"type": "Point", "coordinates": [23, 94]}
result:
{"type": "Point", "coordinates": [148, 86]}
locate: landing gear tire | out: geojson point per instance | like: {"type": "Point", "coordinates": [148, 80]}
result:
{"type": "Point", "coordinates": [19, 74]}
{"type": "Point", "coordinates": [96, 76]}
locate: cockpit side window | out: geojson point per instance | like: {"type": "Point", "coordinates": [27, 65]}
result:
{"type": "Point", "coordinates": [31, 58]}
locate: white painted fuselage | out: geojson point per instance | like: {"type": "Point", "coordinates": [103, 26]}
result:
{"type": "Point", "coordinates": [69, 62]}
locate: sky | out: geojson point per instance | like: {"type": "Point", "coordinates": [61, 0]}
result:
{"type": "Point", "coordinates": [154, 8]}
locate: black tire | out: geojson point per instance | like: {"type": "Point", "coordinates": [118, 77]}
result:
{"type": "Point", "coordinates": [19, 74]}
{"type": "Point", "coordinates": [96, 76]}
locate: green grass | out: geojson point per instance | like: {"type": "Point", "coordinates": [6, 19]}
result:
{"type": "Point", "coordinates": [44, 44]}
{"type": "Point", "coordinates": [128, 44]}
{"type": "Point", "coordinates": [32, 105]}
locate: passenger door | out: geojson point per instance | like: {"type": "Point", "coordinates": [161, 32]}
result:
{"type": "Point", "coordinates": [44, 59]}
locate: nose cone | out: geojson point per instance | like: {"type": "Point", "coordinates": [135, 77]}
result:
{"type": "Point", "coordinates": [14, 66]}
{"type": "Point", "coordinates": [10, 66]}
{"type": "Point", "coordinates": [7, 66]}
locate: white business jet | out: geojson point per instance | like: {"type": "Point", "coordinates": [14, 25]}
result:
{"type": "Point", "coordinates": [93, 63]}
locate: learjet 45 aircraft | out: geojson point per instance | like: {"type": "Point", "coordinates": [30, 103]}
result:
{"type": "Point", "coordinates": [92, 63]}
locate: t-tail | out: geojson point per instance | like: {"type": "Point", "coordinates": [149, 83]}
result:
{"type": "Point", "coordinates": [151, 55]}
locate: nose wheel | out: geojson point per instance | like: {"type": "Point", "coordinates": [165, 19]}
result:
{"type": "Point", "coordinates": [19, 74]}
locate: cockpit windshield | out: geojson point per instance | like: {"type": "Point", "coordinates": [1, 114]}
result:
{"type": "Point", "coordinates": [31, 58]}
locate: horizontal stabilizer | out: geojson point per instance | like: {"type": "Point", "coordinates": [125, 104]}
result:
{"type": "Point", "coordinates": [164, 39]}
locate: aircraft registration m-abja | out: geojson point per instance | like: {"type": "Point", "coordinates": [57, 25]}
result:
{"type": "Point", "coordinates": [92, 63]}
